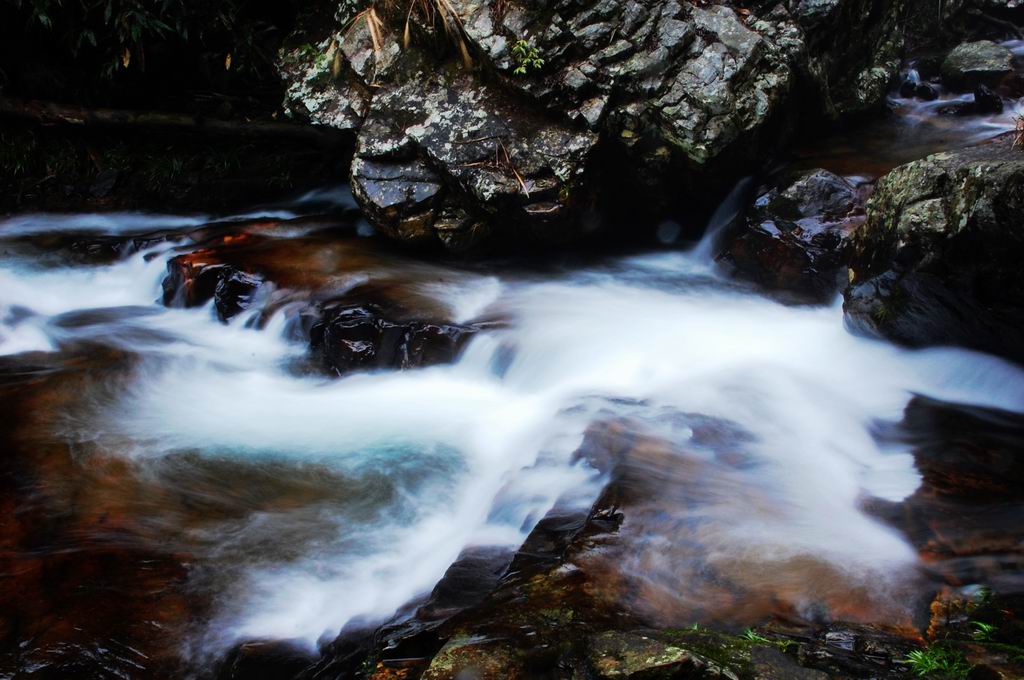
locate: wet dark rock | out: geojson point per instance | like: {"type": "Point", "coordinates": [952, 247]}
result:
{"type": "Point", "coordinates": [958, 109]}
{"type": "Point", "coordinates": [977, 63]}
{"type": "Point", "coordinates": [60, 247]}
{"type": "Point", "coordinates": [854, 50]}
{"type": "Point", "coordinates": [913, 88]}
{"type": "Point", "coordinates": [1012, 86]}
{"type": "Point", "coordinates": [850, 650]}
{"type": "Point", "coordinates": [908, 87]}
{"type": "Point", "coordinates": [265, 660]}
{"type": "Point", "coordinates": [771, 664]}
{"type": "Point", "coordinates": [104, 183]}
{"type": "Point", "coordinates": [926, 91]}
{"type": "Point", "coordinates": [677, 97]}
{"type": "Point", "coordinates": [987, 101]}
{"type": "Point", "coordinates": [794, 237]}
{"type": "Point", "coordinates": [937, 261]}
{"type": "Point", "coordinates": [963, 517]}
{"type": "Point", "coordinates": [193, 280]}
{"type": "Point", "coordinates": [969, 452]}
{"type": "Point", "coordinates": [360, 336]}
{"type": "Point", "coordinates": [234, 292]}
{"type": "Point", "coordinates": [473, 575]}
{"type": "Point", "coordinates": [413, 641]}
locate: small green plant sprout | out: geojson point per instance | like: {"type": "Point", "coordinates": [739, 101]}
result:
{"type": "Point", "coordinates": [939, 661]}
{"type": "Point", "coordinates": [752, 636]}
{"type": "Point", "coordinates": [528, 57]}
{"type": "Point", "coordinates": [983, 632]}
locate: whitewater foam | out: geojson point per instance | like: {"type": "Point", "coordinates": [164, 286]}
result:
{"type": "Point", "coordinates": [485, 446]}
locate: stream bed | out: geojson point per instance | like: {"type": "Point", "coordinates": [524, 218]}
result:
{"type": "Point", "coordinates": [175, 484]}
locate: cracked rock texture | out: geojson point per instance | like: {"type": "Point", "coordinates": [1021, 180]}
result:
{"type": "Point", "coordinates": [938, 260]}
{"type": "Point", "coordinates": [645, 102]}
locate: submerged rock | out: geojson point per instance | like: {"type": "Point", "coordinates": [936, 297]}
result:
{"type": "Point", "coordinates": [561, 608]}
{"type": "Point", "coordinates": [987, 101]}
{"type": "Point", "coordinates": [963, 518]}
{"type": "Point", "coordinates": [977, 63]}
{"type": "Point", "coordinates": [794, 238]}
{"type": "Point", "coordinates": [938, 260]}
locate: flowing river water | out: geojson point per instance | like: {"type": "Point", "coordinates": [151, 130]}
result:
{"type": "Point", "coordinates": [173, 485]}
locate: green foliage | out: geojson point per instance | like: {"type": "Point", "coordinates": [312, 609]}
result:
{"type": "Point", "coordinates": [752, 636]}
{"type": "Point", "coordinates": [528, 57]}
{"type": "Point", "coordinates": [16, 153]}
{"type": "Point", "coordinates": [118, 31]}
{"type": "Point", "coordinates": [162, 171]}
{"type": "Point", "coordinates": [939, 661]}
{"type": "Point", "coordinates": [983, 632]}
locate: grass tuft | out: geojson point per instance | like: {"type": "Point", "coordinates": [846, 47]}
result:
{"type": "Point", "coordinates": [938, 660]}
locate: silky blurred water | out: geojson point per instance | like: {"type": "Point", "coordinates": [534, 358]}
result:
{"type": "Point", "coordinates": [327, 502]}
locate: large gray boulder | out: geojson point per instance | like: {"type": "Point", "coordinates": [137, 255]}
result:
{"type": "Point", "coordinates": [443, 156]}
{"type": "Point", "coordinates": [976, 63]}
{"type": "Point", "coordinates": [938, 260]}
{"type": "Point", "coordinates": [854, 49]}
{"type": "Point", "coordinates": [677, 90]}
{"type": "Point", "coordinates": [649, 101]}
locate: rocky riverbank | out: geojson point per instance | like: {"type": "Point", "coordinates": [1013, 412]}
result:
{"type": "Point", "coordinates": [359, 435]}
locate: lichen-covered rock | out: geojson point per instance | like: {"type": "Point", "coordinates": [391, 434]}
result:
{"type": "Point", "coordinates": [326, 73]}
{"type": "Point", "coordinates": [639, 656]}
{"type": "Point", "coordinates": [938, 260]}
{"type": "Point", "coordinates": [853, 50]}
{"type": "Point", "coordinates": [475, 657]}
{"type": "Point", "coordinates": [639, 102]}
{"type": "Point", "coordinates": [977, 63]}
{"type": "Point", "coordinates": [794, 238]}
{"type": "Point", "coordinates": [445, 157]}
{"type": "Point", "coordinates": [695, 78]}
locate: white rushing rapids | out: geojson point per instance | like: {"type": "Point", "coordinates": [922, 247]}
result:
{"type": "Point", "coordinates": [441, 458]}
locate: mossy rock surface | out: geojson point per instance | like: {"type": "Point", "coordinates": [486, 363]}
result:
{"type": "Point", "coordinates": [937, 261]}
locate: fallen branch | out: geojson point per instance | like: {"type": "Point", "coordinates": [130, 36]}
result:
{"type": "Point", "coordinates": [50, 113]}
